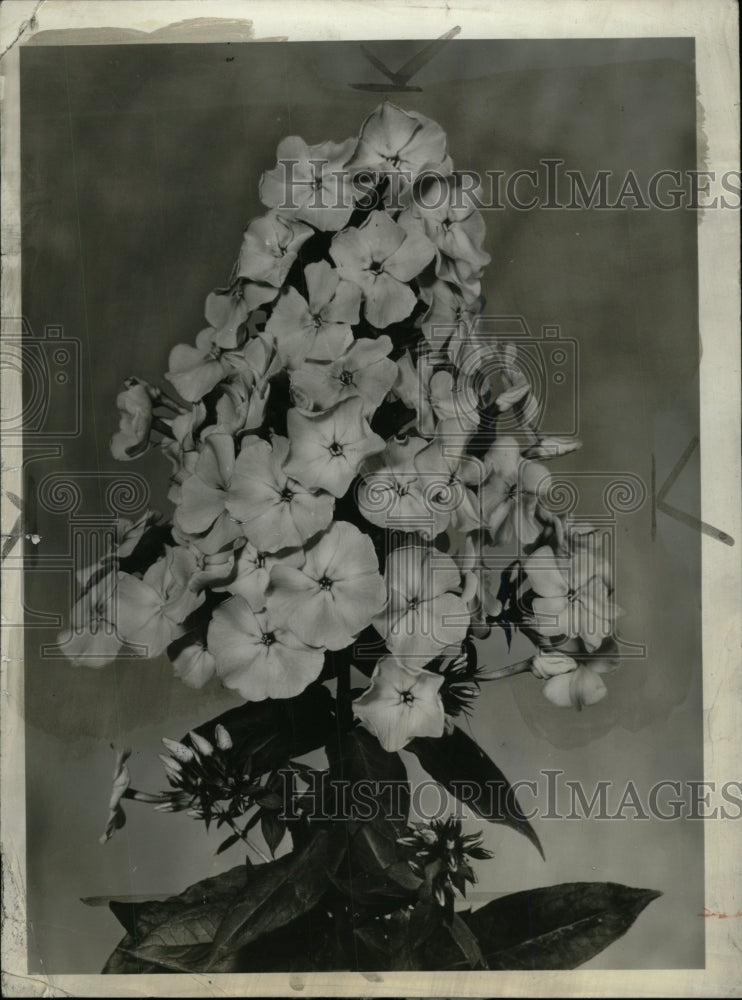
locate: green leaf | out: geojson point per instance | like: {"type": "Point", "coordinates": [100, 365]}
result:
{"type": "Point", "coordinates": [267, 733]}
{"type": "Point", "coordinates": [276, 894]}
{"type": "Point", "coordinates": [556, 927]}
{"type": "Point", "coordinates": [456, 762]}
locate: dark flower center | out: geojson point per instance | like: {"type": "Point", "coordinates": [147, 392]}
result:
{"type": "Point", "coordinates": [268, 638]}
{"type": "Point", "coordinates": [287, 495]}
{"type": "Point", "coordinates": [346, 378]}
{"type": "Point", "coordinates": [325, 583]}
{"type": "Point", "coordinates": [407, 697]}
{"type": "Point", "coordinates": [336, 449]}
{"type": "Point", "coordinates": [260, 560]}
{"type": "Point", "coordinates": [376, 267]}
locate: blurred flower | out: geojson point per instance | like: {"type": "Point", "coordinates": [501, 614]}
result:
{"type": "Point", "coordinates": [227, 313]}
{"type": "Point", "coordinates": [381, 258]}
{"type": "Point", "coordinates": [552, 447]}
{"type": "Point", "coordinates": [92, 639]}
{"type": "Point", "coordinates": [401, 141]}
{"type": "Point", "coordinates": [447, 476]}
{"type": "Point", "coordinates": [135, 405]}
{"type": "Point", "coordinates": [202, 511]}
{"type": "Point", "coordinates": [326, 449]}
{"type": "Point", "coordinates": [510, 495]}
{"type": "Point", "coordinates": [436, 395]}
{"type": "Point", "coordinates": [424, 612]}
{"type": "Point", "coordinates": [335, 594]}
{"type": "Point", "coordinates": [194, 665]}
{"type": "Point", "coordinates": [181, 449]}
{"type": "Point", "coordinates": [269, 248]}
{"type": "Point", "coordinates": [121, 782]}
{"type": "Point", "coordinates": [449, 318]}
{"type": "Point", "coordinates": [363, 370]}
{"type": "Point", "coordinates": [441, 857]}
{"type": "Point", "coordinates": [576, 689]}
{"type": "Point", "coordinates": [573, 673]}
{"type": "Point", "coordinates": [309, 182]}
{"type": "Point", "coordinates": [275, 511]}
{"type": "Point", "coordinates": [194, 371]}
{"type": "Point", "coordinates": [446, 212]}
{"type": "Point", "coordinates": [400, 704]}
{"type": "Point", "coordinates": [572, 597]}
{"type": "Point", "coordinates": [517, 394]}
{"type": "Point", "coordinates": [150, 611]}
{"type": "Point", "coordinates": [258, 657]}
{"type": "Point", "coordinates": [318, 327]}
{"type": "Point", "coordinates": [551, 663]}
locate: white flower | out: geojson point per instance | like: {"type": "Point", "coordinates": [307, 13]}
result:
{"type": "Point", "coordinates": [326, 449]}
{"type": "Point", "coordinates": [318, 327]}
{"type": "Point", "coordinates": [393, 140]}
{"type": "Point", "coordinates": [202, 511]}
{"type": "Point", "coordinates": [269, 248]}
{"type": "Point", "coordinates": [335, 594]}
{"type": "Point", "coordinates": [400, 704]}
{"type": "Point", "coordinates": [135, 405]}
{"type": "Point", "coordinates": [150, 611]}
{"type": "Point", "coordinates": [309, 182]}
{"type": "Point", "coordinates": [121, 782]}
{"type": "Point", "coordinates": [510, 496]}
{"type": "Point", "coordinates": [362, 370]}
{"type": "Point", "coordinates": [381, 258]}
{"type": "Point", "coordinates": [275, 511]}
{"type": "Point", "coordinates": [257, 657]}
{"type": "Point", "coordinates": [572, 597]}
{"type": "Point", "coordinates": [249, 573]}
{"type": "Point", "coordinates": [194, 665]}
{"type": "Point", "coordinates": [425, 612]}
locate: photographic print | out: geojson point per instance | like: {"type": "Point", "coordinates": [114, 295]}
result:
{"type": "Point", "coordinates": [357, 508]}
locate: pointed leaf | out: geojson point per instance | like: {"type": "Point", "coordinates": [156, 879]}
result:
{"type": "Point", "coordinates": [226, 844]}
{"type": "Point", "coordinates": [456, 762]}
{"type": "Point", "coordinates": [556, 927]}
{"type": "Point", "coordinates": [467, 942]}
{"type": "Point", "coordinates": [273, 830]}
{"type": "Point", "coordinates": [357, 757]}
{"type": "Point", "coordinates": [278, 893]}
{"type": "Point", "coordinates": [270, 732]}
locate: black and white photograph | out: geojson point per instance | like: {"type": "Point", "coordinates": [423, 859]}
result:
{"type": "Point", "coordinates": [371, 522]}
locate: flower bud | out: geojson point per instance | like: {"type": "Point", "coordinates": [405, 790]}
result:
{"type": "Point", "coordinates": [202, 745]}
{"type": "Point", "coordinates": [178, 750]}
{"type": "Point", "coordinates": [548, 664]}
{"type": "Point", "coordinates": [222, 737]}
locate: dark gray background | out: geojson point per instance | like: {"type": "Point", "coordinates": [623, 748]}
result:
{"type": "Point", "coordinates": [140, 168]}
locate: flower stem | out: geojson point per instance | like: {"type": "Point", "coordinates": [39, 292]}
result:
{"type": "Point", "coordinates": [509, 670]}
{"type": "Point", "coordinates": [243, 836]}
{"type": "Point", "coordinates": [342, 697]}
